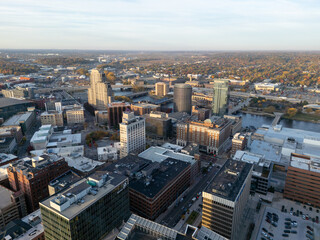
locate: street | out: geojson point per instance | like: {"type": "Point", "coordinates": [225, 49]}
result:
{"type": "Point", "coordinates": [174, 214]}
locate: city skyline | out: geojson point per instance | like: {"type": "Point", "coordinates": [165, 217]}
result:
{"type": "Point", "coordinates": [149, 25]}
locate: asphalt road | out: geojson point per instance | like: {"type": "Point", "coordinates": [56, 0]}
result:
{"type": "Point", "coordinates": [173, 216]}
{"type": "Point", "coordinates": [22, 149]}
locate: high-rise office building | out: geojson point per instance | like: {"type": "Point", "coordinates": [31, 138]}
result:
{"type": "Point", "coordinates": [88, 209]}
{"type": "Point", "coordinates": [161, 89]}
{"type": "Point", "coordinates": [115, 111]}
{"type": "Point", "coordinates": [225, 198]}
{"type": "Point", "coordinates": [100, 91]}
{"type": "Point", "coordinates": [220, 98]}
{"type": "Point", "coordinates": [32, 176]}
{"type": "Point", "coordinates": [182, 98]}
{"type": "Point", "coordinates": [132, 134]}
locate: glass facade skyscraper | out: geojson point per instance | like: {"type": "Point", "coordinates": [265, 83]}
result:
{"type": "Point", "coordinates": [220, 98]}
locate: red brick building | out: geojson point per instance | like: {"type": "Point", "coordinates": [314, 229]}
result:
{"type": "Point", "coordinates": [32, 176]}
{"type": "Point", "coordinates": [153, 194]}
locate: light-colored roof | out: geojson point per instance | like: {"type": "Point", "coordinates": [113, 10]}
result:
{"type": "Point", "coordinates": [5, 199]}
{"type": "Point", "coordinates": [15, 119]}
{"type": "Point", "coordinates": [159, 154]}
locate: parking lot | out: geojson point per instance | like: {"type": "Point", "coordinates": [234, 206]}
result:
{"type": "Point", "coordinates": [280, 223]}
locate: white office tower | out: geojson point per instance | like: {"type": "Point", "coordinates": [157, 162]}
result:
{"type": "Point", "coordinates": [100, 91]}
{"type": "Point", "coordinates": [132, 134]}
{"type": "Point", "coordinates": [161, 89]}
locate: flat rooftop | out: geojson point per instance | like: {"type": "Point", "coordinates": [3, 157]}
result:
{"type": "Point", "coordinates": [82, 164]}
{"type": "Point", "coordinates": [7, 102]}
{"type": "Point", "coordinates": [270, 151]}
{"type": "Point", "coordinates": [34, 220]}
{"type": "Point", "coordinates": [228, 182]}
{"type": "Point", "coordinates": [305, 162]}
{"type": "Point", "coordinates": [159, 154]}
{"type": "Point", "coordinates": [128, 165]}
{"type": "Point", "coordinates": [6, 158]}
{"type": "Point", "coordinates": [79, 191]}
{"type": "Point", "coordinates": [5, 199]}
{"type": "Point", "coordinates": [279, 134]}
{"type": "Point", "coordinates": [167, 171]}
{"type": "Point", "coordinates": [16, 119]}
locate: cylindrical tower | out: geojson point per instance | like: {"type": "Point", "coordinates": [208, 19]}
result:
{"type": "Point", "coordinates": [182, 98]}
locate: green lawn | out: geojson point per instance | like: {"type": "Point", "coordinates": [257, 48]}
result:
{"type": "Point", "coordinates": [304, 117]}
{"type": "Point", "coordinates": [193, 216]}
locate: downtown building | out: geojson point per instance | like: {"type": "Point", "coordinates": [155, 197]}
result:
{"type": "Point", "coordinates": [225, 198]}
{"type": "Point", "coordinates": [115, 111]}
{"type": "Point", "coordinates": [158, 125]}
{"type": "Point", "coordinates": [31, 176]}
{"type": "Point", "coordinates": [12, 206]}
{"type": "Point", "coordinates": [182, 98]}
{"type": "Point", "coordinates": [100, 91]}
{"type": "Point", "coordinates": [88, 209]}
{"type": "Point", "coordinates": [303, 180]}
{"type": "Point", "coordinates": [141, 228]}
{"type": "Point", "coordinates": [161, 89]}
{"type": "Point", "coordinates": [220, 97]}
{"type": "Point", "coordinates": [211, 135]}
{"type": "Point", "coordinates": [132, 134]}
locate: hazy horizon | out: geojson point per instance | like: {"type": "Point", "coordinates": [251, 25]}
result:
{"type": "Point", "coordinates": [146, 25]}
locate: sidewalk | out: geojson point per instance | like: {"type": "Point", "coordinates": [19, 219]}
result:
{"type": "Point", "coordinates": [181, 225]}
{"type": "Point", "coordinates": [169, 209]}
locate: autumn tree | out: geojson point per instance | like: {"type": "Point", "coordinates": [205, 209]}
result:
{"type": "Point", "coordinates": [291, 112]}
{"type": "Point", "coordinates": [269, 109]}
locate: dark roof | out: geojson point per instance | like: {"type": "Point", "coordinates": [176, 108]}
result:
{"type": "Point", "coordinates": [128, 165]}
{"type": "Point", "coordinates": [14, 228]}
{"type": "Point", "coordinates": [228, 182]}
{"type": "Point", "coordinates": [168, 170]}
{"type": "Point", "coordinates": [5, 142]}
{"type": "Point", "coordinates": [6, 102]}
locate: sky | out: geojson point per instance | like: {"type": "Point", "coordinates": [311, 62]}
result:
{"type": "Point", "coordinates": [170, 25]}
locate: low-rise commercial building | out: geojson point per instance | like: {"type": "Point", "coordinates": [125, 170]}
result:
{"type": "Point", "coordinates": [261, 173]}
{"type": "Point", "coordinates": [239, 142]}
{"type": "Point", "coordinates": [11, 131]}
{"type": "Point", "coordinates": [11, 106]}
{"type": "Point", "coordinates": [225, 198]}
{"type": "Point", "coordinates": [264, 86]}
{"type": "Point", "coordinates": [54, 118]}
{"type": "Point", "coordinates": [140, 109]}
{"type": "Point", "coordinates": [75, 115]}
{"type": "Point", "coordinates": [159, 154]}
{"type": "Point", "coordinates": [27, 228]}
{"type": "Point", "coordinates": [8, 144]}
{"type": "Point", "coordinates": [109, 153]}
{"type": "Point", "coordinates": [24, 120]}
{"type": "Point", "coordinates": [7, 158]}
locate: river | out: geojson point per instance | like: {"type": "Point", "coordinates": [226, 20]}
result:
{"type": "Point", "coordinates": [258, 120]}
